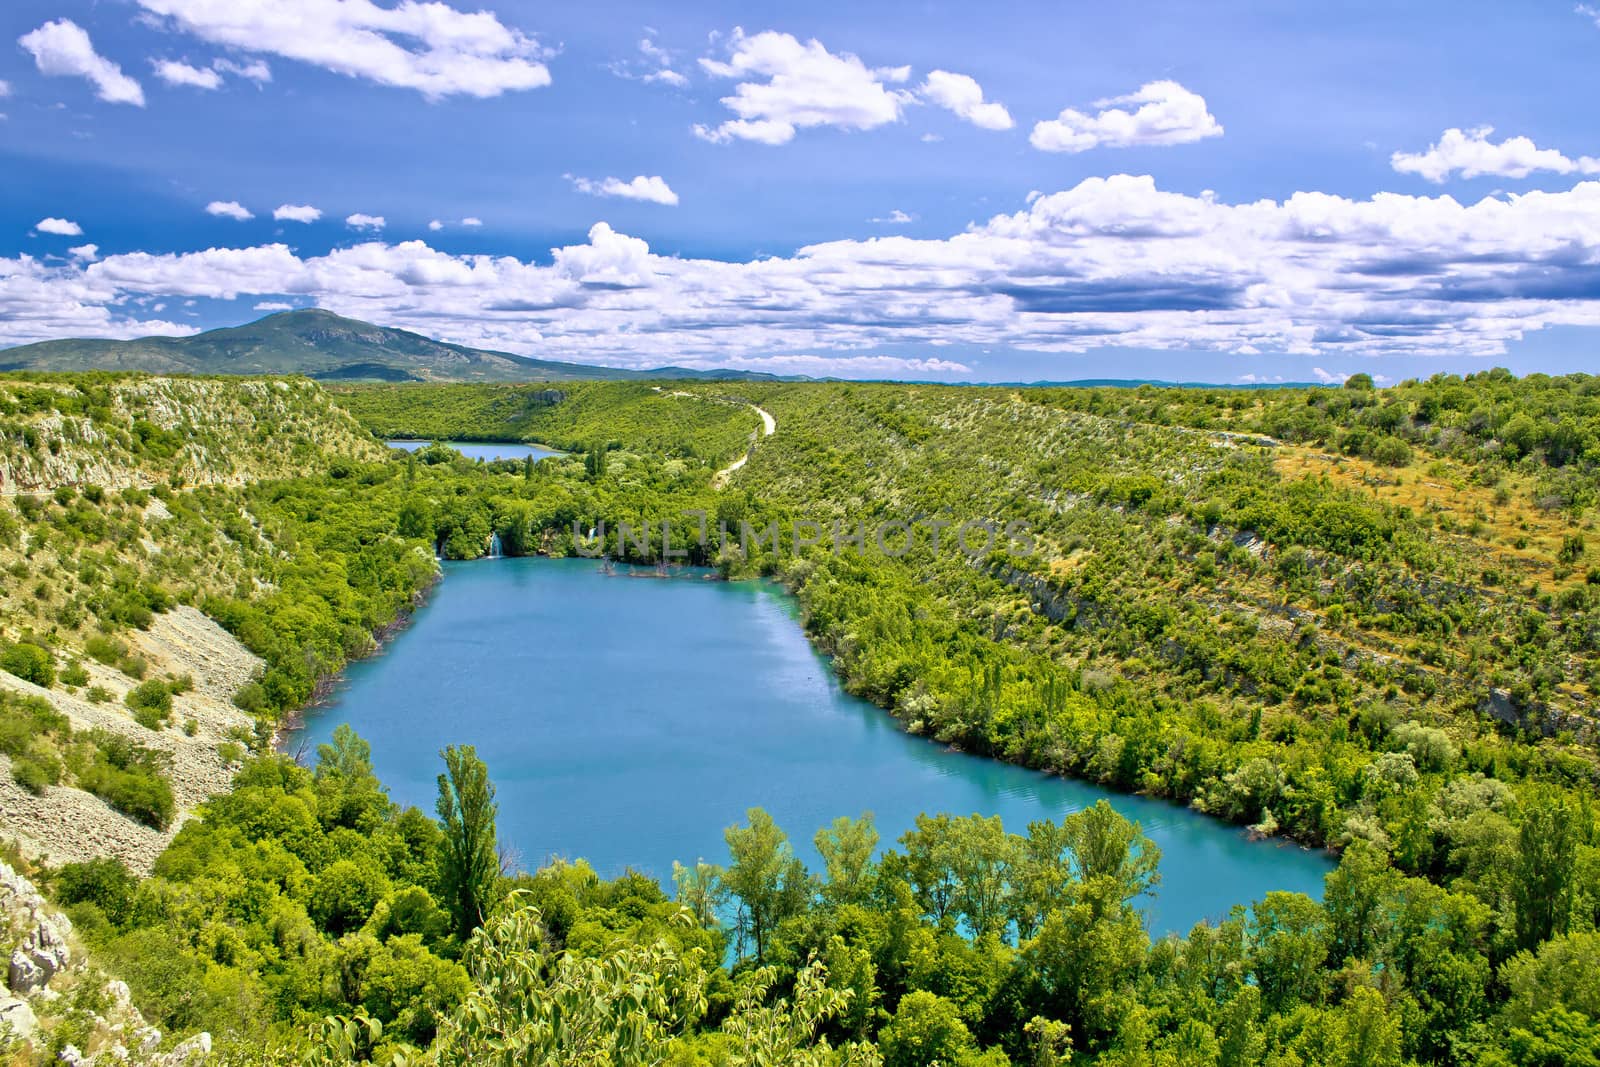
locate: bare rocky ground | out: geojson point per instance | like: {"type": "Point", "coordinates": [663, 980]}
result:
{"type": "Point", "coordinates": [69, 825]}
{"type": "Point", "coordinates": [50, 991]}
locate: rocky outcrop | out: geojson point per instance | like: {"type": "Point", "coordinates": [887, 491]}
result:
{"type": "Point", "coordinates": [1543, 719]}
{"type": "Point", "coordinates": [51, 983]}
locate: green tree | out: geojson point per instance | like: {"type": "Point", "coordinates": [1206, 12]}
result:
{"type": "Point", "coordinates": [784, 1032]}
{"type": "Point", "coordinates": [1547, 843]}
{"type": "Point", "coordinates": [770, 882]}
{"type": "Point", "coordinates": [531, 1006]}
{"type": "Point", "coordinates": [350, 793]}
{"type": "Point", "coordinates": [1290, 950]}
{"type": "Point", "coordinates": [926, 1029]}
{"type": "Point", "coordinates": [846, 848]}
{"type": "Point", "coordinates": [469, 866]}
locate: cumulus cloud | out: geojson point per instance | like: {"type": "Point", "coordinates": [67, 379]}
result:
{"type": "Point", "coordinates": [5, 89]}
{"type": "Point", "coordinates": [229, 209]}
{"type": "Point", "coordinates": [472, 221]}
{"type": "Point", "coordinates": [359, 221]}
{"type": "Point", "coordinates": [1110, 262]}
{"type": "Point", "coordinates": [1589, 11]}
{"type": "Point", "coordinates": [964, 96]}
{"type": "Point", "coordinates": [651, 188]}
{"type": "Point", "coordinates": [789, 86]}
{"type": "Point", "coordinates": [894, 218]}
{"type": "Point", "coordinates": [174, 72]}
{"type": "Point", "coordinates": [59, 227]}
{"type": "Point", "coordinates": [430, 47]}
{"type": "Point", "coordinates": [62, 49]}
{"type": "Point", "coordinates": [435, 225]}
{"type": "Point", "coordinates": [87, 253]}
{"type": "Point", "coordinates": [1470, 154]}
{"type": "Point", "coordinates": [273, 305]}
{"type": "Point", "coordinates": [1163, 113]}
{"type": "Point", "coordinates": [296, 213]}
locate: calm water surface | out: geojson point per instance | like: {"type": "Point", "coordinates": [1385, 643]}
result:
{"type": "Point", "coordinates": [484, 450]}
{"type": "Point", "coordinates": [628, 720]}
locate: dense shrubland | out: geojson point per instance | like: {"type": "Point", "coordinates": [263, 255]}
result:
{"type": "Point", "coordinates": [663, 420]}
{"type": "Point", "coordinates": [306, 919]}
{"type": "Point", "coordinates": [1365, 618]}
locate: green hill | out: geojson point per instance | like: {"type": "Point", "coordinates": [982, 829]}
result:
{"type": "Point", "coordinates": [318, 344]}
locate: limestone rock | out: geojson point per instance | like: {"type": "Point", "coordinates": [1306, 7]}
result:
{"type": "Point", "coordinates": [189, 1053]}
{"type": "Point", "coordinates": [17, 1018]}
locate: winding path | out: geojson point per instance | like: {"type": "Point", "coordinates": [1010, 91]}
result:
{"type": "Point", "coordinates": [769, 426]}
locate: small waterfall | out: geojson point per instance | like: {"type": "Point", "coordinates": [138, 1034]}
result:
{"type": "Point", "coordinates": [494, 546]}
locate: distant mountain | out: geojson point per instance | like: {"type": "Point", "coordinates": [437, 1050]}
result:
{"type": "Point", "coordinates": [322, 345]}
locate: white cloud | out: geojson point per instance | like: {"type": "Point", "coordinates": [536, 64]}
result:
{"type": "Point", "coordinates": [273, 305]}
{"type": "Point", "coordinates": [358, 221]}
{"type": "Point", "coordinates": [59, 227]}
{"type": "Point", "coordinates": [791, 86]}
{"type": "Point", "coordinates": [1110, 262]}
{"type": "Point", "coordinates": [1590, 12]}
{"type": "Point", "coordinates": [836, 366]}
{"type": "Point", "coordinates": [62, 49]}
{"type": "Point", "coordinates": [5, 88]}
{"type": "Point", "coordinates": [658, 66]}
{"type": "Point", "coordinates": [964, 96]}
{"type": "Point", "coordinates": [1469, 154]}
{"type": "Point", "coordinates": [296, 213]}
{"type": "Point", "coordinates": [651, 188]}
{"type": "Point", "coordinates": [472, 221]}
{"type": "Point", "coordinates": [229, 209]}
{"type": "Point", "coordinates": [430, 47]}
{"type": "Point", "coordinates": [894, 218]}
{"type": "Point", "coordinates": [435, 225]}
{"type": "Point", "coordinates": [1329, 377]}
{"type": "Point", "coordinates": [1167, 114]}
{"type": "Point", "coordinates": [174, 72]}
{"type": "Point", "coordinates": [87, 253]}
{"type": "Point", "coordinates": [255, 70]}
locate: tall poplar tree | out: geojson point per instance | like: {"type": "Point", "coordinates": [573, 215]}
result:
{"type": "Point", "coordinates": [468, 863]}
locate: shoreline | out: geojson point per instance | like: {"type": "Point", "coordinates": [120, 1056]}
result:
{"type": "Point", "coordinates": [381, 638]}
{"type": "Point", "coordinates": [294, 719]}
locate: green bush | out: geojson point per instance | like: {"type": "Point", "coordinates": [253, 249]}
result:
{"type": "Point", "coordinates": [105, 649]}
{"type": "Point", "coordinates": [30, 662]}
{"type": "Point", "coordinates": [35, 774]}
{"type": "Point", "coordinates": [128, 777]}
{"type": "Point", "coordinates": [104, 882]}
{"type": "Point", "coordinates": [74, 674]}
{"type": "Point", "coordinates": [151, 703]}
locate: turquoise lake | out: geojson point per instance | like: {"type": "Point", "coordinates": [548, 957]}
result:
{"type": "Point", "coordinates": [628, 720]}
{"type": "Point", "coordinates": [484, 450]}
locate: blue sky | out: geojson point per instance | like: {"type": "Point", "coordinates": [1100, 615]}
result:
{"type": "Point", "coordinates": [1217, 192]}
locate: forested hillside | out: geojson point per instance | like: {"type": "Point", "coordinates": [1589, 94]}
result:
{"type": "Point", "coordinates": [1368, 619]}
{"type": "Point", "coordinates": [702, 425]}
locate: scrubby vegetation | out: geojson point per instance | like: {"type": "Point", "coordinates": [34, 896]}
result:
{"type": "Point", "coordinates": [663, 420]}
{"type": "Point", "coordinates": [45, 751]}
{"type": "Point", "coordinates": [1368, 619]}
